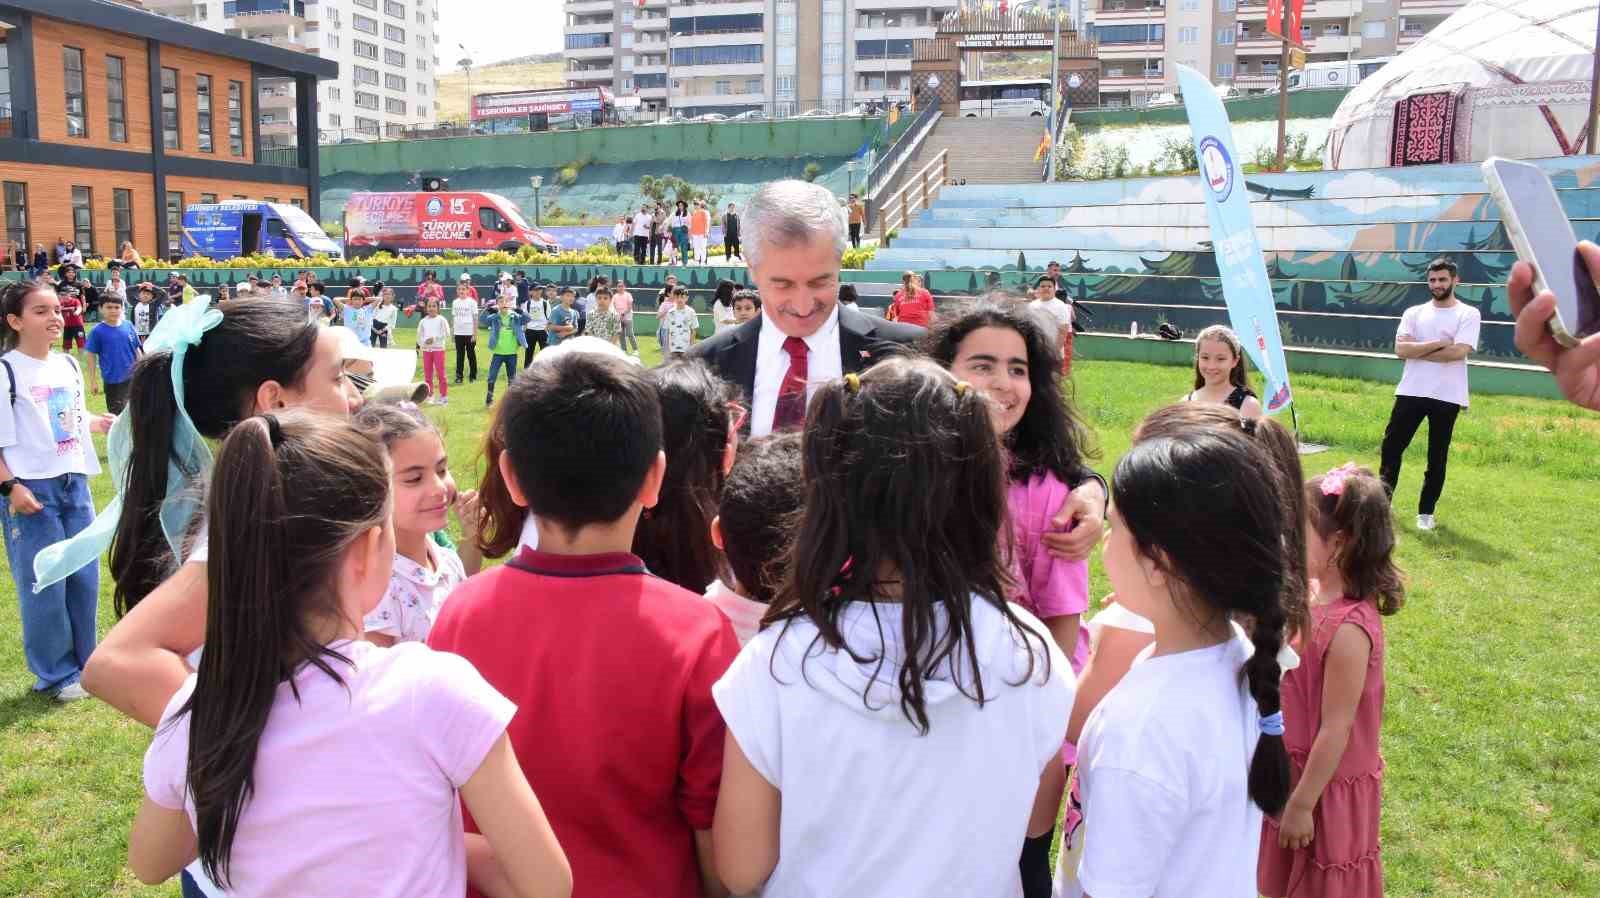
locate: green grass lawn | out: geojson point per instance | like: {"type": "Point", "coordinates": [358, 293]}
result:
{"type": "Point", "coordinates": [1493, 784]}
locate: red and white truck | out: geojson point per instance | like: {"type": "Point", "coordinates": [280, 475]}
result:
{"type": "Point", "coordinates": [428, 224]}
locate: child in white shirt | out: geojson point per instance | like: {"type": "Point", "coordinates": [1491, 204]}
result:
{"type": "Point", "coordinates": [759, 501]}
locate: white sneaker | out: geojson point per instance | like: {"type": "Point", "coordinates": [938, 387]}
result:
{"type": "Point", "coordinates": [1425, 522]}
{"type": "Point", "coordinates": [71, 693]}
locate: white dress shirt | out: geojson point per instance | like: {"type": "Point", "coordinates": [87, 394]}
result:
{"type": "Point", "coordinates": [823, 363]}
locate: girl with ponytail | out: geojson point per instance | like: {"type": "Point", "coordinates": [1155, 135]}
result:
{"type": "Point", "coordinates": [1326, 843]}
{"type": "Point", "coordinates": [264, 764]}
{"type": "Point", "coordinates": [1182, 758]}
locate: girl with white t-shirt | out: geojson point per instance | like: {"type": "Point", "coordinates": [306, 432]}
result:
{"type": "Point", "coordinates": [263, 766]}
{"type": "Point", "coordinates": [890, 728]}
{"type": "Point", "coordinates": [425, 572]}
{"type": "Point", "coordinates": [46, 459]}
{"type": "Point", "coordinates": [1184, 754]}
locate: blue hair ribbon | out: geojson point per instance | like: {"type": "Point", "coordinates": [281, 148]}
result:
{"type": "Point", "coordinates": [177, 331]}
{"type": "Point", "coordinates": [1272, 724]}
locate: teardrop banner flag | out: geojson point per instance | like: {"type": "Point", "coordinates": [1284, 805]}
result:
{"type": "Point", "coordinates": [1251, 310]}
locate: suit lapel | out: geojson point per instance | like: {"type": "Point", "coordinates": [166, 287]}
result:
{"type": "Point", "coordinates": [739, 356]}
{"type": "Point", "coordinates": [857, 341]}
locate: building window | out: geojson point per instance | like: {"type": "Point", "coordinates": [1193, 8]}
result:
{"type": "Point", "coordinates": [77, 105]}
{"type": "Point", "coordinates": [364, 24]}
{"type": "Point", "coordinates": [422, 42]}
{"type": "Point", "coordinates": [394, 82]}
{"type": "Point", "coordinates": [368, 4]}
{"type": "Point", "coordinates": [744, 54]}
{"type": "Point", "coordinates": [208, 197]}
{"type": "Point", "coordinates": [394, 33]}
{"type": "Point", "coordinates": [1189, 35]}
{"type": "Point", "coordinates": [174, 223]}
{"type": "Point", "coordinates": [333, 42]}
{"type": "Point", "coordinates": [335, 93]}
{"type": "Point", "coordinates": [122, 216]}
{"type": "Point", "coordinates": [16, 197]}
{"type": "Point", "coordinates": [364, 75]}
{"type": "Point", "coordinates": [1224, 70]}
{"type": "Point", "coordinates": [1333, 28]}
{"type": "Point", "coordinates": [1377, 29]}
{"type": "Point", "coordinates": [1225, 35]}
{"type": "Point", "coordinates": [116, 100]}
{"type": "Point", "coordinates": [394, 57]}
{"type": "Point", "coordinates": [1131, 34]}
{"type": "Point", "coordinates": [752, 85]}
{"type": "Point", "coordinates": [335, 120]}
{"type": "Point", "coordinates": [1227, 5]}
{"type": "Point", "coordinates": [202, 106]}
{"type": "Point", "coordinates": [422, 88]}
{"type": "Point", "coordinates": [832, 54]}
{"type": "Point", "coordinates": [422, 111]}
{"type": "Point", "coordinates": [366, 100]}
{"type": "Point", "coordinates": [723, 88]}
{"type": "Point", "coordinates": [588, 41]}
{"type": "Point", "coordinates": [398, 10]}
{"type": "Point", "coordinates": [394, 107]}
{"type": "Point", "coordinates": [236, 118]}
{"type": "Point", "coordinates": [422, 64]}
{"type": "Point", "coordinates": [366, 50]}
{"type": "Point", "coordinates": [170, 137]}
{"type": "Point", "coordinates": [5, 77]}
{"type": "Point", "coordinates": [1190, 5]}
{"type": "Point", "coordinates": [366, 125]}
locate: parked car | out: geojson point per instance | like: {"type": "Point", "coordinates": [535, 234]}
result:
{"type": "Point", "coordinates": [815, 113]}
{"type": "Point", "coordinates": [710, 117]}
{"type": "Point", "coordinates": [750, 116]}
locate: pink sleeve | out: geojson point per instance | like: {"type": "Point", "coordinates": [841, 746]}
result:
{"type": "Point", "coordinates": [458, 714]}
{"type": "Point", "coordinates": [166, 761]}
{"type": "Point", "coordinates": [1056, 587]}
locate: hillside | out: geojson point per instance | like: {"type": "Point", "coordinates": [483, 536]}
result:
{"type": "Point", "coordinates": [451, 92]}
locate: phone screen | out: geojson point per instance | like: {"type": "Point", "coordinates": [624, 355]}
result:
{"type": "Point", "coordinates": [1539, 214]}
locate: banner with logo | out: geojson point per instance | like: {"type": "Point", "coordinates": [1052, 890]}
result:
{"type": "Point", "coordinates": [1248, 293]}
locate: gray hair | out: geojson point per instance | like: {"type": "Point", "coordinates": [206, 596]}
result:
{"type": "Point", "coordinates": [786, 213]}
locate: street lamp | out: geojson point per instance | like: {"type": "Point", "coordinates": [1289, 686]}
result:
{"type": "Point", "coordinates": [537, 181]}
{"type": "Point", "coordinates": [850, 168]}
{"type": "Point", "coordinates": [465, 62]}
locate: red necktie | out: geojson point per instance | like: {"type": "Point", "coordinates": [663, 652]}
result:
{"type": "Point", "coordinates": [790, 413]}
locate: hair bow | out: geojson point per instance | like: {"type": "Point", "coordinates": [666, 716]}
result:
{"type": "Point", "coordinates": [1333, 481]}
{"type": "Point", "coordinates": [177, 331]}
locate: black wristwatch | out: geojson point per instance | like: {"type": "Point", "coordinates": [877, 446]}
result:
{"type": "Point", "coordinates": [6, 485]}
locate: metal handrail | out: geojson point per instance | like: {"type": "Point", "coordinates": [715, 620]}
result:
{"type": "Point", "coordinates": [918, 194]}
{"type": "Point", "coordinates": [883, 171]}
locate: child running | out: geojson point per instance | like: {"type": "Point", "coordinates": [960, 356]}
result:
{"type": "Point", "coordinates": [1180, 760]}
{"type": "Point", "coordinates": [1326, 843]}
{"type": "Point", "coordinates": [46, 459]}
{"type": "Point", "coordinates": [893, 683]}
{"type": "Point", "coordinates": [264, 763]}
{"type": "Point", "coordinates": [425, 572]}
{"type": "Point", "coordinates": [760, 502]}
{"type": "Point", "coordinates": [1003, 350]}
{"type": "Point", "coordinates": [1219, 374]}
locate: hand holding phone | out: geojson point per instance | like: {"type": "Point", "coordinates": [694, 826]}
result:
{"type": "Point", "coordinates": [1542, 236]}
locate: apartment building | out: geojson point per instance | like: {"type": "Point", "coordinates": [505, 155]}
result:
{"type": "Point", "coordinates": [387, 51]}
{"type": "Point", "coordinates": [693, 57]}
{"type": "Point", "coordinates": [113, 119]}
{"type": "Point", "coordinates": [1142, 40]}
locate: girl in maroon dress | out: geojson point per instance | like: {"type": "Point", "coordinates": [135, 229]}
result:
{"type": "Point", "coordinates": [1326, 841]}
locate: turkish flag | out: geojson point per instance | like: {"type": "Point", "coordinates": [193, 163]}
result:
{"type": "Point", "coordinates": [1297, 10]}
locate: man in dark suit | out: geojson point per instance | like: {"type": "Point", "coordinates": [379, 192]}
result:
{"type": "Point", "coordinates": [794, 236]}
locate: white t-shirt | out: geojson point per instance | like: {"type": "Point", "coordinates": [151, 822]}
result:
{"type": "Point", "coordinates": [1053, 312]}
{"type": "Point", "coordinates": [464, 313]}
{"type": "Point", "coordinates": [641, 224]}
{"type": "Point", "coordinates": [871, 807]}
{"type": "Point", "coordinates": [386, 314]}
{"type": "Point", "coordinates": [46, 433]}
{"type": "Point", "coordinates": [618, 231]}
{"type": "Point", "coordinates": [1164, 763]}
{"type": "Point", "coordinates": [723, 316]}
{"type": "Point", "coordinates": [119, 289]}
{"type": "Point", "coordinates": [1445, 381]}
{"type": "Point", "coordinates": [432, 333]}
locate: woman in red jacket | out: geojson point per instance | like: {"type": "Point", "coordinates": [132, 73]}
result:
{"type": "Point", "coordinates": [912, 304]}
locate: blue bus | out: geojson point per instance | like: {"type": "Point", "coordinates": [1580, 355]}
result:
{"type": "Point", "coordinates": [243, 227]}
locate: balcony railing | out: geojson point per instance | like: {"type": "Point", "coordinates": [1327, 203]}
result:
{"type": "Point", "coordinates": [282, 7]}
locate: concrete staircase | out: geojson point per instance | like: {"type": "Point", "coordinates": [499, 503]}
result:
{"type": "Point", "coordinates": [985, 150]}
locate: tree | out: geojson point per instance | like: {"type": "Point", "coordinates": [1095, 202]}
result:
{"type": "Point", "coordinates": [1022, 261]}
{"type": "Point", "coordinates": [671, 188]}
{"type": "Point", "coordinates": [812, 172]}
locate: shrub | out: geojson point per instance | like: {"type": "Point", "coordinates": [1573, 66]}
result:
{"type": "Point", "coordinates": [858, 258]}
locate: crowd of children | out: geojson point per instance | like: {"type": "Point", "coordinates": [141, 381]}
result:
{"type": "Point", "coordinates": [704, 668]}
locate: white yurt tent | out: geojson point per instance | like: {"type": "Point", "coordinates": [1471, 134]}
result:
{"type": "Point", "coordinates": [1497, 78]}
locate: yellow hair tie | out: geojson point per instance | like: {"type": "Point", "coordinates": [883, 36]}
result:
{"type": "Point", "coordinates": [852, 382]}
{"type": "Point", "coordinates": [962, 387]}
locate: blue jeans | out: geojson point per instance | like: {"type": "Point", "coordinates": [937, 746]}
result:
{"type": "Point", "coordinates": [496, 362]}
{"type": "Point", "coordinates": [58, 624]}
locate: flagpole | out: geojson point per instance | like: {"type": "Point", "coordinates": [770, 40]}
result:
{"type": "Point", "coordinates": [1283, 90]}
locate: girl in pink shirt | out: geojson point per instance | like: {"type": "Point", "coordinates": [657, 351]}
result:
{"type": "Point", "coordinates": [1000, 348]}
{"type": "Point", "coordinates": [300, 760]}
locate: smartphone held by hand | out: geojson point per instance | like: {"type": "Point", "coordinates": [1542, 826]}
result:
{"type": "Point", "coordinates": [1543, 237]}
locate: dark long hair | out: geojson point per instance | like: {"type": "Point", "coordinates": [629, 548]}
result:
{"type": "Point", "coordinates": [1221, 333]}
{"type": "Point", "coordinates": [724, 293]}
{"type": "Point", "coordinates": [292, 492]}
{"type": "Point", "coordinates": [902, 471]}
{"type": "Point", "coordinates": [1207, 495]}
{"type": "Point", "coordinates": [259, 339]}
{"type": "Point", "coordinates": [1361, 513]}
{"type": "Point", "coordinates": [1050, 437]}
{"type": "Point", "coordinates": [674, 538]}
{"type": "Point", "coordinates": [13, 297]}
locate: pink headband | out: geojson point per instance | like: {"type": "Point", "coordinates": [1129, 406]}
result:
{"type": "Point", "coordinates": [1333, 481]}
